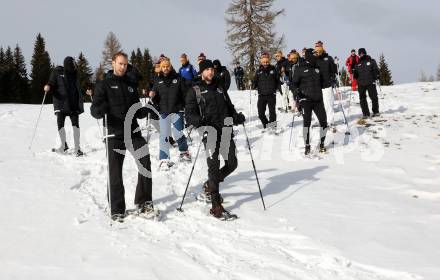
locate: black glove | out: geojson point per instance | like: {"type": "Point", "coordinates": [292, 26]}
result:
{"type": "Point", "coordinates": [103, 109]}
{"type": "Point", "coordinates": [239, 119]}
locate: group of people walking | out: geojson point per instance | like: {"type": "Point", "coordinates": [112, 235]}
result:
{"type": "Point", "coordinates": [198, 98]}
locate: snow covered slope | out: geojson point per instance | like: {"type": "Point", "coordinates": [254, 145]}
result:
{"type": "Point", "coordinates": [369, 209]}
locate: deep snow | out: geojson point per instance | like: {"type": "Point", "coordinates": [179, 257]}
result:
{"type": "Point", "coordinates": [367, 210]}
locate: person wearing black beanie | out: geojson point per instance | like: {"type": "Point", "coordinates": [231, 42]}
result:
{"type": "Point", "coordinates": [208, 107]}
{"type": "Point", "coordinates": [366, 73]}
{"type": "Point", "coordinates": [222, 75]}
{"type": "Point", "coordinates": [307, 90]}
{"type": "Point", "coordinates": [67, 101]}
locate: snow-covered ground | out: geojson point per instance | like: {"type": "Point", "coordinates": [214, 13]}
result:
{"type": "Point", "coordinates": [369, 209]}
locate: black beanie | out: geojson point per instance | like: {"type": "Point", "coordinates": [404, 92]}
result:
{"type": "Point", "coordinates": [217, 63]}
{"type": "Point", "coordinates": [205, 64]}
{"type": "Point", "coordinates": [362, 51]}
{"type": "Point", "coordinates": [69, 64]}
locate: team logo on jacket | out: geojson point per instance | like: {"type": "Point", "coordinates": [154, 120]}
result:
{"type": "Point", "coordinates": [130, 89]}
{"type": "Point", "coordinates": [307, 70]}
{"type": "Point", "coordinates": [271, 72]}
{"type": "Point", "coordinates": [161, 82]}
{"type": "Point", "coordinates": [368, 63]}
{"type": "Point", "coordinates": [175, 81]}
{"type": "Point", "coordinates": [114, 87]}
{"type": "Point", "coordinates": [317, 70]}
{"type": "Point", "coordinates": [219, 90]}
{"type": "Point", "coordinates": [326, 58]}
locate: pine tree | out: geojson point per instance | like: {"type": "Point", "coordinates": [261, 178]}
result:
{"type": "Point", "coordinates": [7, 77]}
{"type": "Point", "coordinates": [146, 70]}
{"type": "Point", "coordinates": [250, 31]}
{"type": "Point", "coordinates": [438, 73]}
{"type": "Point", "coordinates": [385, 77]}
{"type": "Point", "coordinates": [3, 89]}
{"type": "Point", "coordinates": [5, 65]}
{"type": "Point", "coordinates": [423, 77]}
{"type": "Point", "coordinates": [20, 79]}
{"type": "Point", "coordinates": [99, 73]}
{"type": "Point", "coordinates": [84, 73]}
{"type": "Point", "coordinates": [111, 46]}
{"type": "Point", "coordinates": [40, 71]}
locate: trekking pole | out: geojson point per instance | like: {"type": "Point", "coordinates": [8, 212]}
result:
{"type": "Point", "coordinates": [253, 164]}
{"type": "Point", "coordinates": [108, 166]}
{"type": "Point", "coordinates": [343, 112]}
{"type": "Point", "coordinates": [291, 130]}
{"type": "Point", "coordinates": [190, 175]}
{"type": "Point", "coordinates": [38, 120]}
{"type": "Point", "coordinates": [148, 127]}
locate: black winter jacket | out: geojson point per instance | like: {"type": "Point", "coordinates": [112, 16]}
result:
{"type": "Point", "coordinates": [266, 80]}
{"type": "Point", "coordinates": [60, 91]}
{"type": "Point", "coordinates": [114, 96]}
{"type": "Point", "coordinates": [307, 83]}
{"type": "Point", "coordinates": [328, 69]}
{"type": "Point", "coordinates": [239, 72]}
{"type": "Point", "coordinates": [223, 78]}
{"type": "Point", "coordinates": [215, 105]}
{"type": "Point", "coordinates": [366, 71]}
{"type": "Point", "coordinates": [170, 93]}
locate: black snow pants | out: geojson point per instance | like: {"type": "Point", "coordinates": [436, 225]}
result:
{"type": "Point", "coordinates": [116, 160]}
{"type": "Point", "coordinates": [307, 107]}
{"type": "Point", "coordinates": [263, 102]}
{"type": "Point", "coordinates": [372, 92]}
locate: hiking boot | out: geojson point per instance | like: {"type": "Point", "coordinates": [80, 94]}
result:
{"type": "Point", "coordinates": [322, 148]}
{"type": "Point", "coordinates": [118, 218]}
{"type": "Point", "coordinates": [165, 165]}
{"type": "Point", "coordinates": [307, 150]}
{"type": "Point", "coordinates": [185, 156]}
{"type": "Point", "coordinates": [79, 153]}
{"type": "Point", "coordinates": [220, 213]}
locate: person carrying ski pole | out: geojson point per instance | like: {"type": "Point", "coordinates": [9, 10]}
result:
{"type": "Point", "coordinates": [68, 101]}
{"type": "Point", "coordinates": [209, 108]}
{"type": "Point", "coordinates": [113, 98]}
{"type": "Point", "coordinates": [307, 88]}
{"type": "Point", "coordinates": [328, 70]}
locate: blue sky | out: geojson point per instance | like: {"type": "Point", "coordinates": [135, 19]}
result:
{"type": "Point", "coordinates": [407, 32]}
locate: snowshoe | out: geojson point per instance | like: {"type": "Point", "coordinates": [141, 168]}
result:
{"type": "Point", "coordinates": [79, 153]}
{"type": "Point", "coordinates": [118, 218]}
{"type": "Point", "coordinates": [147, 211]}
{"type": "Point", "coordinates": [165, 165]}
{"type": "Point", "coordinates": [185, 156]}
{"type": "Point", "coordinates": [61, 150]}
{"type": "Point", "coordinates": [220, 213]}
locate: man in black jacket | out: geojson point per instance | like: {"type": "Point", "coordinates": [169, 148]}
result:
{"type": "Point", "coordinates": [366, 73]}
{"type": "Point", "coordinates": [169, 93]}
{"type": "Point", "coordinates": [222, 75]}
{"type": "Point", "coordinates": [307, 88]}
{"type": "Point", "coordinates": [239, 76]}
{"type": "Point", "coordinates": [328, 70]}
{"type": "Point", "coordinates": [209, 108]}
{"type": "Point", "coordinates": [266, 82]}
{"type": "Point", "coordinates": [115, 97]}
{"type": "Point", "coordinates": [67, 101]}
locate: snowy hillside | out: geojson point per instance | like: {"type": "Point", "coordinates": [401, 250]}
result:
{"type": "Point", "coordinates": [367, 210]}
